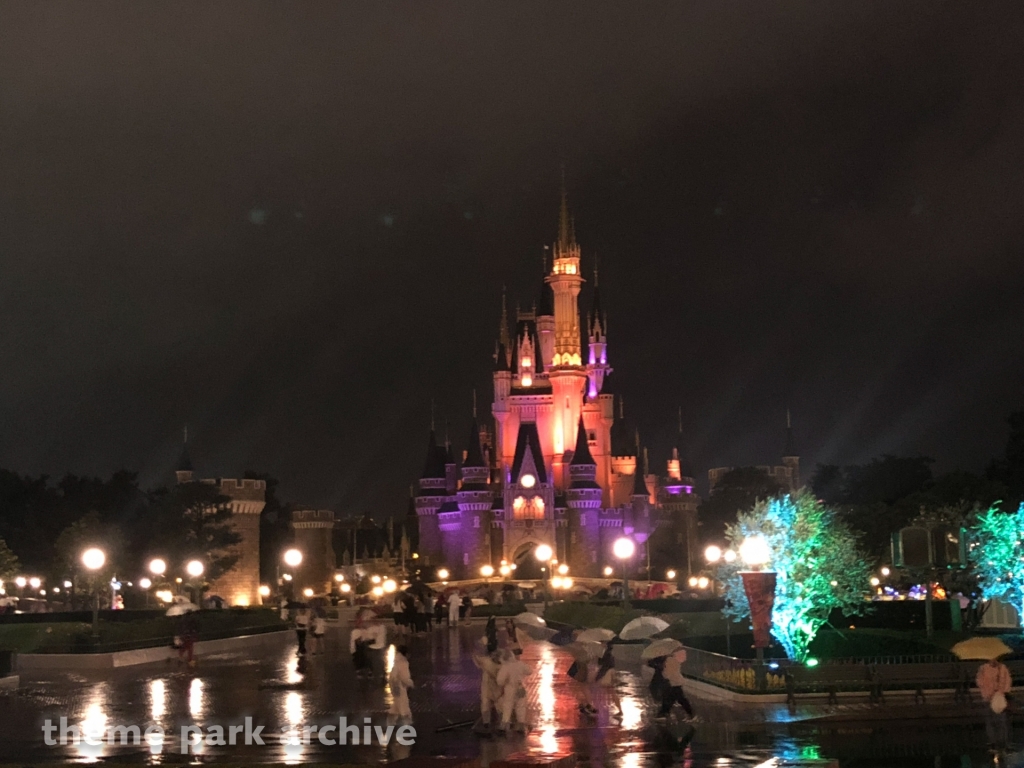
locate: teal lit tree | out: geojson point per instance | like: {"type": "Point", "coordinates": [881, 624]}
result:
{"type": "Point", "coordinates": [817, 561]}
{"type": "Point", "coordinates": [997, 553]}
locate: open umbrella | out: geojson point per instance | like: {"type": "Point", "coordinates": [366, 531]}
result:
{"type": "Point", "coordinates": [527, 634]}
{"type": "Point", "coordinates": [529, 619]}
{"type": "Point", "coordinates": [642, 628]}
{"type": "Point", "coordinates": [982, 648]}
{"type": "Point", "coordinates": [179, 609]}
{"type": "Point", "coordinates": [596, 635]}
{"type": "Point", "coordinates": [365, 614]}
{"type": "Point", "coordinates": [587, 650]}
{"type": "Point", "coordinates": [664, 647]}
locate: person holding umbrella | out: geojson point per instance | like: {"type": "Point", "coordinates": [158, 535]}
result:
{"type": "Point", "coordinates": [994, 683]}
{"type": "Point", "coordinates": [673, 692]}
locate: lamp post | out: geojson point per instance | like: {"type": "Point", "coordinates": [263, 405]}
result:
{"type": "Point", "coordinates": [93, 559]}
{"type": "Point", "coordinates": [544, 554]}
{"type": "Point", "coordinates": [759, 586]}
{"type": "Point", "coordinates": [623, 549]}
{"type": "Point", "coordinates": [293, 559]}
{"type": "Point", "coordinates": [194, 569]}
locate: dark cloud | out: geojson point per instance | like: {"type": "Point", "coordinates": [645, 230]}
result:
{"type": "Point", "coordinates": [288, 225]}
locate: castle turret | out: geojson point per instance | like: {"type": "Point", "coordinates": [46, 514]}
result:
{"type": "Point", "coordinates": [623, 458]}
{"type": "Point", "coordinates": [597, 360]}
{"type": "Point", "coordinates": [183, 472]}
{"type": "Point", "coordinates": [567, 375]}
{"type": "Point", "coordinates": [474, 500]}
{"type": "Point", "coordinates": [546, 324]}
{"type": "Point", "coordinates": [583, 498]}
{"type": "Point", "coordinates": [790, 459]}
{"type": "Point", "coordinates": [432, 493]}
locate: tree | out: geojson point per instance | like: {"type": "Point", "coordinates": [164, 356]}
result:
{"type": "Point", "coordinates": [996, 550]}
{"type": "Point", "coordinates": [736, 490]}
{"type": "Point", "coordinates": [86, 532]}
{"type": "Point", "coordinates": [9, 565]}
{"type": "Point", "coordinates": [193, 521]}
{"type": "Point", "coordinates": [818, 566]}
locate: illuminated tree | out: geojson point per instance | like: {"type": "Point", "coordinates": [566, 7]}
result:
{"type": "Point", "coordinates": [997, 553]}
{"type": "Point", "coordinates": [818, 566]}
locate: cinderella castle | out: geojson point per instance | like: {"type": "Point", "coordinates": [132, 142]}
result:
{"type": "Point", "coordinates": [557, 465]}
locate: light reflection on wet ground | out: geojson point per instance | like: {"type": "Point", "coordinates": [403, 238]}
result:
{"type": "Point", "coordinates": [272, 687]}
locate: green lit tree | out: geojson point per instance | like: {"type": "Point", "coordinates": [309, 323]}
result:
{"type": "Point", "coordinates": [818, 563]}
{"type": "Point", "coordinates": [996, 550]}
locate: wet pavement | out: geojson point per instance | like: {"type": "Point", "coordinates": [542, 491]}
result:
{"type": "Point", "coordinates": [277, 694]}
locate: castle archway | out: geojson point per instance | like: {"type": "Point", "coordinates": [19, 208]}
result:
{"type": "Point", "coordinates": [527, 565]}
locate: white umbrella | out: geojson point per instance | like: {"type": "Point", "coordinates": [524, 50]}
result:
{"type": "Point", "coordinates": [642, 628]}
{"type": "Point", "coordinates": [664, 647]}
{"type": "Point", "coordinates": [178, 609]}
{"type": "Point", "coordinates": [596, 635]}
{"type": "Point", "coordinates": [529, 619]}
{"type": "Point", "coordinates": [586, 650]}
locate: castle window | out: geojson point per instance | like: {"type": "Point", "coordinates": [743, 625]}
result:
{"type": "Point", "coordinates": [572, 538]}
{"type": "Point", "coordinates": [583, 519]}
{"type": "Point", "coordinates": [527, 380]}
{"type": "Point", "coordinates": [476, 521]}
{"type": "Point", "coordinates": [528, 509]}
{"type": "Point", "coordinates": [526, 362]}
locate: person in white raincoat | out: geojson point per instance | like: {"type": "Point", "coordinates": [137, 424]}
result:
{"type": "Point", "coordinates": [490, 691]}
{"type": "Point", "coordinates": [513, 693]}
{"type": "Point", "coordinates": [454, 601]}
{"type": "Point", "coordinates": [400, 681]}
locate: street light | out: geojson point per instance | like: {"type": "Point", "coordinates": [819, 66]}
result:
{"type": "Point", "coordinates": [713, 554]}
{"type": "Point", "coordinates": [505, 571]}
{"type": "Point", "coordinates": [293, 558]}
{"type": "Point", "coordinates": [35, 582]}
{"type": "Point", "coordinates": [145, 583]}
{"type": "Point", "coordinates": [487, 571]}
{"type": "Point", "coordinates": [608, 570]}
{"type": "Point", "coordinates": [93, 559]}
{"type": "Point", "coordinates": [339, 577]}
{"type": "Point", "coordinates": [264, 590]}
{"type": "Point", "coordinates": [623, 549]}
{"type": "Point", "coordinates": [563, 569]}
{"type": "Point", "coordinates": [194, 569]}
{"type": "Point", "coordinates": [443, 574]}
{"type": "Point", "coordinates": [389, 586]}
{"type": "Point", "coordinates": [157, 566]}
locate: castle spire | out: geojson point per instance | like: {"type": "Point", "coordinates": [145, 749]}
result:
{"type": "Point", "coordinates": [565, 229]}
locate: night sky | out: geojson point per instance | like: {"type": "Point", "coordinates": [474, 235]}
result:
{"type": "Point", "coordinates": [288, 225]}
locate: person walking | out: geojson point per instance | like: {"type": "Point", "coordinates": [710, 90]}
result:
{"type": "Point", "coordinates": [302, 620]}
{"type": "Point", "coordinates": [454, 602]}
{"type": "Point", "coordinates": [400, 681]}
{"type": "Point", "coordinates": [510, 678]}
{"type": "Point", "coordinates": [319, 630]}
{"type": "Point", "coordinates": [490, 691]}
{"type": "Point", "coordinates": [428, 608]}
{"type": "Point", "coordinates": [358, 645]}
{"type": "Point", "coordinates": [377, 634]}
{"type": "Point", "coordinates": [580, 671]}
{"type": "Point", "coordinates": [605, 678]}
{"type": "Point", "coordinates": [513, 638]}
{"type": "Point", "coordinates": [994, 682]}
{"type": "Point", "coordinates": [491, 633]}
{"type": "Point", "coordinates": [188, 633]}
{"type": "Point", "coordinates": [674, 690]}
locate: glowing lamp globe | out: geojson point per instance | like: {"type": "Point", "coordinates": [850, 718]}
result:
{"type": "Point", "coordinates": [504, 570]}
{"type": "Point", "coordinates": [567, 582]}
{"type": "Point", "coordinates": [93, 559]}
{"type": "Point", "coordinates": [443, 574]}
{"type": "Point", "coordinates": [556, 582]}
{"type": "Point", "coordinates": [67, 585]}
{"type": "Point", "coordinates": [145, 583]}
{"type": "Point", "coordinates": [293, 558]}
{"type": "Point", "coordinates": [543, 553]}
{"type": "Point", "coordinates": [264, 590]}
{"type": "Point", "coordinates": [527, 480]}
{"type": "Point", "coordinates": [487, 571]}
{"type": "Point", "coordinates": [702, 582]}
{"type": "Point", "coordinates": [21, 581]}
{"type": "Point", "coordinates": [623, 548]}
{"type": "Point", "coordinates": [670, 575]}
{"type": "Point", "coordinates": [35, 582]}
{"type": "Point", "coordinates": [308, 592]}
{"type": "Point", "coordinates": [608, 571]}
{"type": "Point", "coordinates": [389, 586]}
{"type": "Point", "coordinates": [346, 588]}
{"type": "Point", "coordinates": [157, 566]}
{"type": "Point", "coordinates": [375, 579]}
{"type": "Point", "coordinates": [339, 577]}
{"type": "Point", "coordinates": [754, 551]}
{"type": "Point", "coordinates": [194, 569]}
{"type": "Point", "coordinates": [693, 581]}
{"type": "Point", "coordinates": [378, 592]}
{"type": "Point", "coordinates": [713, 554]}
{"type": "Point", "coordinates": [729, 556]}
{"type": "Point", "coordinates": [563, 569]}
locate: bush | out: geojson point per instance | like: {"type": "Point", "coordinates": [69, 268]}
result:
{"type": "Point", "coordinates": [505, 609]}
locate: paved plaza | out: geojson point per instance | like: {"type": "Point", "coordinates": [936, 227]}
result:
{"type": "Point", "coordinates": [223, 689]}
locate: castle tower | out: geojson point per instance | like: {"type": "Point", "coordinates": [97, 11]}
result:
{"type": "Point", "coordinates": [597, 359]}
{"type": "Point", "coordinates": [790, 459]}
{"type": "Point", "coordinates": [474, 500]}
{"type": "Point", "coordinates": [429, 500]}
{"type": "Point", "coordinates": [546, 322]}
{"type": "Point", "coordinates": [567, 375]}
{"type": "Point", "coordinates": [183, 473]}
{"type": "Point", "coordinates": [248, 497]}
{"type": "Point", "coordinates": [583, 499]}
{"type": "Point", "coordinates": [623, 460]}
{"type": "Point", "coordinates": [313, 531]}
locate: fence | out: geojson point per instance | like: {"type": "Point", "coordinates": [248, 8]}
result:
{"type": "Point", "coordinates": [84, 644]}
